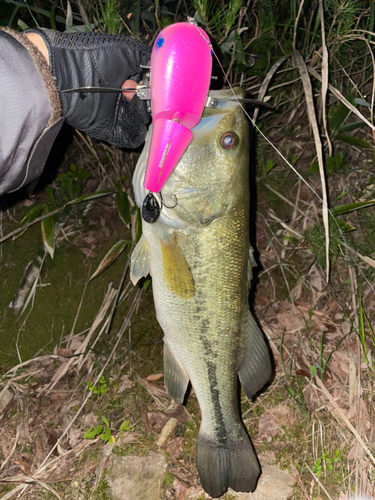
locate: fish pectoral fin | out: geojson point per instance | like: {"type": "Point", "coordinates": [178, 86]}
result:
{"type": "Point", "coordinates": [255, 369]}
{"type": "Point", "coordinates": [176, 380]}
{"type": "Point", "coordinates": [140, 261]}
{"type": "Point", "coordinates": [176, 271]}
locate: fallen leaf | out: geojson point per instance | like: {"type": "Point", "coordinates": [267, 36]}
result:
{"type": "Point", "coordinates": [64, 351]}
{"type": "Point", "coordinates": [272, 421]}
{"type": "Point", "coordinates": [39, 449]}
{"type": "Point", "coordinates": [25, 466]}
{"type": "Point", "coordinates": [154, 377]}
{"type": "Point", "coordinates": [5, 399]}
{"type": "Point", "coordinates": [74, 437]}
{"type": "Point", "coordinates": [125, 383]}
{"type": "Point", "coordinates": [157, 420]}
{"type": "Point", "coordinates": [180, 488]}
{"type": "Point", "coordinates": [167, 430]}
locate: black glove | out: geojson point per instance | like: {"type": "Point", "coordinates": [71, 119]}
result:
{"type": "Point", "coordinates": [99, 60]}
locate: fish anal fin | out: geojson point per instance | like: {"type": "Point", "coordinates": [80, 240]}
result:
{"type": "Point", "coordinates": [255, 369]}
{"type": "Point", "coordinates": [176, 380]}
{"type": "Point", "coordinates": [176, 271]}
{"type": "Point", "coordinates": [140, 261]}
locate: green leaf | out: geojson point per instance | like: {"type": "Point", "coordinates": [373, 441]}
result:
{"type": "Point", "coordinates": [22, 25]}
{"type": "Point", "coordinates": [51, 195]}
{"type": "Point", "coordinates": [138, 226]}
{"type": "Point", "coordinates": [32, 214]}
{"type": "Point", "coordinates": [136, 221]}
{"type": "Point", "coordinates": [69, 16]}
{"type": "Point", "coordinates": [125, 427]}
{"type": "Point", "coordinates": [38, 10]}
{"type": "Point", "coordinates": [93, 432]}
{"type": "Point", "coordinates": [344, 209]}
{"type": "Point", "coordinates": [198, 18]}
{"type": "Point", "coordinates": [362, 102]}
{"type": "Point", "coordinates": [313, 371]}
{"type": "Point", "coordinates": [239, 51]}
{"type": "Point", "coordinates": [123, 206]}
{"type": "Point", "coordinates": [105, 420]}
{"type": "Point", "coordinates": [146, 284]}
{"type": "Point", "coordinates": [269, 165]}
{"type": "Point", "coordinates": [92, 196]}
{"type": "Point", "coordinates": [352, 126]}
{"type": "Point", "coordinates": [344, 226]}
{"type": "Point", "coordinates": [106, 434]}
{"type": "Point", "coordinates": [48, 233]}
{"type": "Point", "coordinates": [110, 257]}
{"type": "Point", "coordinates": [339, 114]}
{"type": "Point", "coordinates": [81, 28]}
{"type": "Point", "coordinates": [227, 45]}
{"type": "Point", "coordinates": [354, 141]}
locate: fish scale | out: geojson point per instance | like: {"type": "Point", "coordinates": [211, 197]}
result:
{"type": "Point", "coordinates": [198, 254]}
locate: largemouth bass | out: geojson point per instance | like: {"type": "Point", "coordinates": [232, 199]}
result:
{"type": "Point", "coordinates": [197, 252]}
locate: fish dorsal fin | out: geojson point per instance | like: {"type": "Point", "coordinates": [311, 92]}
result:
{"type": "Point", "coordinates": [176, 271]}
{"type": "Point", "coordinates": [176, 380]}
{"type": "Point", "coordinates": [255, 369]}
{"type": "Point", "coordinates": [140, 261]}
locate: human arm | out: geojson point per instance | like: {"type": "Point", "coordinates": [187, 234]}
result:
{"type": "Point", "coordinates": [25, 103]}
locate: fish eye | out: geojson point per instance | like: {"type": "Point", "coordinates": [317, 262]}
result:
{"type": "Point", "coordinates": [229, 140]}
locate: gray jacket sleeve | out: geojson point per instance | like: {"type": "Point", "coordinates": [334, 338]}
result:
{"type": "Point", "coordinates": [30, 111]}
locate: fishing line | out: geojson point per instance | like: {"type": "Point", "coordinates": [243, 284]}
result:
{"type": "Point", "coordinates": [283, 157]}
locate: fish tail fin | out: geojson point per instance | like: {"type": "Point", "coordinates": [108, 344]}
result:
{"type": "Point", "coordinates": [233, 464]}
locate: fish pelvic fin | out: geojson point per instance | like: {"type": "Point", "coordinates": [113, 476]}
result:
{"type": "Point", "coordinates": [255, 370]}
{"type": "Point", "coordinates": [233, 464]}
{"type": "Point", "coordinates": [176, 271]}
{"type": "Point", "coordinates": [176, 380]}
{"type": "Point", "coordinates": [140, 261]}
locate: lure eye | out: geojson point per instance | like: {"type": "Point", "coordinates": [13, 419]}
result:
{"type": "Point", "coordinates": [229, 140]}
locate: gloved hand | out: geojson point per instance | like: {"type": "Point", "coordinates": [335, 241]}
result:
{"type": "Point", "coordinates": [99, 60]}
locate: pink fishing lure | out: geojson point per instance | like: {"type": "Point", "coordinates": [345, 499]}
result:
{"type": "Point", "coordinates": [181, 65]}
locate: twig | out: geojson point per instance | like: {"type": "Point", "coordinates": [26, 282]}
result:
{"type": "Point", "coordinates": [318, 145]}
{"type": "Point", "coordinates": [345, 419]}
{"type": "Point", "coordinates": [29, 480]}
{"type": "Point", "coordinates": [29, 224]}
{"type": "Point", "coordinates": [325, 71]}
{"type": "Point", "coordinates": [319, 482]}
{"type": "Point", "coordinates": [25, 363]}
{"type": "Point", "coordinates": [266, 82]}
{"type": "Point", "coordinates": [44, 464]}
{"type": "Point", "coordinates": [13, 448]}
{"type": "Point", "coordinates": [339, 96]}
{"type": "Point", "coordinates": [289, 202]}
{"type": "Point", "coordinates": [296, 24]}
{"type": "Point", "coordinates": [14, 492]}
{"type": "Point", "coordinates": [69, 339]}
